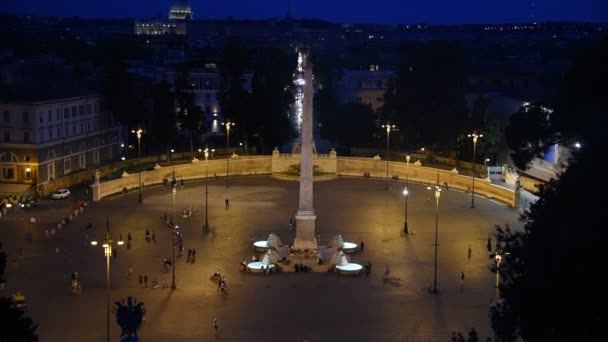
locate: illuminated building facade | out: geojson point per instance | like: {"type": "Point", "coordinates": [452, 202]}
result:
{"type": "Point", "coordinates": [179, 14]}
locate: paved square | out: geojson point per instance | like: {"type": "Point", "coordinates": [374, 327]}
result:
{"type": "Point", "coordinates": [281, 307]}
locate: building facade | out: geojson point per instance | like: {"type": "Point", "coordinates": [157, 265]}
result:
{"type": "Point", "coordinates": [46, 139]}
{"type": "Point", "coordinates": [364, 86]}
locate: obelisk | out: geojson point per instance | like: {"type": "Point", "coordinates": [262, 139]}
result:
{"type": "Point", "coordinates": [305, 216]}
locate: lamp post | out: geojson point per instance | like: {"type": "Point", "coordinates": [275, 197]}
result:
{"type": "Point", "coordinates": [497, 256]}
{"type": "Point", "coordinates": [107, 248]}
{"type": "Point", "coordinates": [405, 194]}
{"type": "Point", "coordinates": [474, 136]}
{"type": "Point", "coordinates": [388, 127]}
{"type": "Point", "coordinates": [173, 227]}
{"type": "Point", "coordinates": [228, 124]}
{"type": "Point", "coordinates": [407, 169]}
{"type": "Point", "coordinates": [139, 132]}
{"type": "Point", "coordinates": [485, 166]}
{"type": "Point", "coordinates": [206, 226]}
{"type": "Point", "coordinates": [435, 288]}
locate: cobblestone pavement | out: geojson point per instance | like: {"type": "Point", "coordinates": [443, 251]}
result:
{"type": "Point", "coordinates": [281, 307]}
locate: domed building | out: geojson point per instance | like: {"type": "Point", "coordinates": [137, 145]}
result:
{"type": "Point", "coordinates": [180, 10]}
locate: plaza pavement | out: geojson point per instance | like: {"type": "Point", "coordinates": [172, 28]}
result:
{"type": "Point", "coordinates": [281, 307]}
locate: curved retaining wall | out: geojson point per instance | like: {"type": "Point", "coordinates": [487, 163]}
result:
{"type": "Point", "coordinates": [345, 166]}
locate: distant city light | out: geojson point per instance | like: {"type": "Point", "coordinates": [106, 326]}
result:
{"type": "Point", "coordinates": [577, 145]}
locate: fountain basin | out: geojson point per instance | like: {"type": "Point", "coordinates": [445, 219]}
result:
{"type": "Point", "coordinates": [349, 247]}
{"type": "Point", "coordinates": [257, 266]}
{"type": "Point", "coordinates": [261, 246]}
{"type": "Point", "coordinates": [349, 269]}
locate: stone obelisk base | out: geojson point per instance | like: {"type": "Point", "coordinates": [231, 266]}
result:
{"type": "Point", "coordinates": [305, 230]}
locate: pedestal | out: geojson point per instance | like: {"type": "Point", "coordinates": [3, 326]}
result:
{"type": "Point", "coordinates": [96, 193]}
{"type": "Point", "coordinates": [305, 230]}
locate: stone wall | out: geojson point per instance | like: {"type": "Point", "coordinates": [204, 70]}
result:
{"type": "Point", "coordinates": [282, 161]}
{"type": "Point", "coordinates": [239, 166]}
{"type": "Point", "coordinates": [343, 166]}
{"type": "Point", "coordinates": [377, 168]}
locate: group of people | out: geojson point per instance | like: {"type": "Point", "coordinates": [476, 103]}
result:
{"type": "Point", "coordinates": [301, 267]}
{"type": "Point", "coordinates": [148, 236]}
{"type": "Point", "coordinates": [186, 213]}
{"type": "Point", "coordinates": [191, 255]}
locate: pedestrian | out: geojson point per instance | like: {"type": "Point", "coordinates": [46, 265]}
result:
{"type": "Point", "coordinates": [369, 267]}
{"type": "Point", "coordinates": [141, 281]}
{"type": "Point", "coordinates": [462, 276]}
{"type": "Point", "coordinates": [114, 253]}
{"type": "Point", "coordinates": [469, 253]}
{"type": "Point", "coordinates": [215, 325]}
{"type": "Point", "coordinates": [21, 251]}
{"type": "Point", "coordinates": [130, 271]}
{"type": "Point", "coordinates": [145, 280]}
{"type": "Point", "coordinates": [362, 246]}
{"type": "Point", "coordinates": [227, 203]}
{"type": "Point", "coordinates": [252, 239]}
{"type": "Point", "coordinates": [193, 255]}
{"type": "Point", "coordinates": [189, 255]}
{"type": "Point", "coordinates": [445, 185]}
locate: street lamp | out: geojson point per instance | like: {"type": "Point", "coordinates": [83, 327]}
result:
{"type": "Point", "coordinates": [407, 169]}
{"type": "Point", "coordinates": [405, 194]}
{"type": "Point", "coordinates": [107, 248]}
{"type": "Point", "coordinates": [388, 127]}
{"type": "Point", "coordinates": [139, 132]}
{"type": "Point", "coordinates": [206, 226]}
{"type": "Point", "coordinates": [173, 227]}
{"type": "Point", "coordinates": [474, 136]}
{"type": "Point", "coordinates": [228, 124]}
{"type": "Point", "coordinates": [435, 288]}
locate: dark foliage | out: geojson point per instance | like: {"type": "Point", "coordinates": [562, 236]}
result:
{"type": "Point", "coordinates": [14, 326]}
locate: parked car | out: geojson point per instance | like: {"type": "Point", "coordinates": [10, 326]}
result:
{"type": "Point", "coordinates": [61, 193]}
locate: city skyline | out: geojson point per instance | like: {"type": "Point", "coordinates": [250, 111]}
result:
{"type": "Point", "coordinates": [342, 11]}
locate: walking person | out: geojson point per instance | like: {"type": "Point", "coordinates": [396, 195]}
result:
{"type": "Point", "coordinates": [130, 271]}
{"type": "Point", "coordinates": [462, 276]}
{"type": "Point", "coordinates": [141, 281]}
{"type": "Point", "coordinates": [215, 325]}
{"type": "Point", "coordinates": [193, 255]}
{"type": "Point", "coordinates": [189, 255]}
{"type": "Point", "coordinates": [227, 203]}
{"type": "Point", "coordinates": [469, 253]}
{"type": "Point", "coordinates": [114, 253]}
{"type": "Point", "coordinates": [362, 246]}
{"type": "Point", "coordinates": [145, 280]}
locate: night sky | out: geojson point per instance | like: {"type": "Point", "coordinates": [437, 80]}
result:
{"type": "Point", "coordinates": [346, 11]}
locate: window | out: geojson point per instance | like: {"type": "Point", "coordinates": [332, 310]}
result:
{"type": "Point", "coordinates": [379, 84]}
{"type": "Point", "coordinates": [26, 116]}
{"type": "Point", "coordinates": [7, 137]}
{"type": "Point", "coordinates": [89, 108]}
{"type": "Point", "coordinates": [94, 107]}
{"type": "Point", "coordinates": [66, 113]}
{"type": "Point", "coordinates": [40, 117]}
{"type": "Point", "coordinates": [50, 116]}
{"type": "Point", "coordinates": [50, 134]}
{"type": "Point", "coordinates": [67, 165]}
{"type": "Point", "coordinates": [26, 137]}
{"type": "Point", "coordinates": [7, 116]}
{"type": "Point", "coordinates": [96, 156]}
{"type": "Point", "coordinates": [57, 114]}
{"type": "Point", "coordinates": [81, 110]}
{"type": "Point", "coordinates": [8, 172]}
{"type": "Point", "coordinates": [74, 111]}
{"type": "Point", "coordinates": [26, 158]}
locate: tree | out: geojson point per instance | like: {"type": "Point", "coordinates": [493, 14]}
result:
{"type": "Point", "coordinates": [14, 326]}
{"type": "Point", "coordinates": [549, 278]}
{"type": "Point", "coordinates": [426, 100]}
{"type": "Point", "coordinates": [190, 117]}
{"type": "Point", "coordinates": [129, 317]}
{"type": "Point", "coordinates": [164, 124]}
{"type": "Point", "coordinates": [352, 124]}
{"type": "Point", "coordinates": [579, 109]}
{"type": "Point", "coordinates": [272, 96]}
